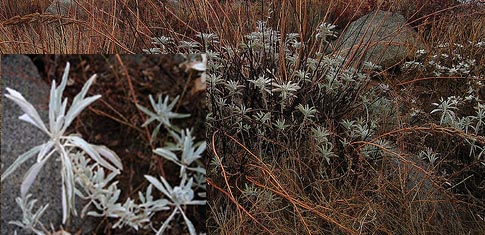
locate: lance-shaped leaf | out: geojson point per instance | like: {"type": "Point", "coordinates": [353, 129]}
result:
{"type": "Point", "coordinates": [44, 150]}
{"type": "Point", "coordinates": [88, 148]}
{"type": "Point", "coordinates": [31, 115]}
{"type": "Point", "coordinates": [189, 154]}
{"type": "Point", "coordinates": [188, 222]}
{"type": "Point", "coordinates": [80, 103]}
{"type": "Point", "coordinates": [55, 108]}
{"type": "Point", "coordinates": [165, 188]}
{"type": "Point", "coordinates": [21, 159]}
{"type": "Point", "coordinates": [165, 224]}
{"type": "Point", "coordinates": [109, 154]}
{"type": "Point", "coordinates": [30, 177]}
{"type": "Point", "coordinates": [167, 154]}
{"type": "Point", "coordinates": [68, 187]}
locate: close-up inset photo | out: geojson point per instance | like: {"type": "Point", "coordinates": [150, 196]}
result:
{"type": "Point", "coordinates": [103, 144]}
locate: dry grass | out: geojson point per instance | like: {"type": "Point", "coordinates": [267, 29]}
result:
{"type": "Point", "coordinates": [400, 195]}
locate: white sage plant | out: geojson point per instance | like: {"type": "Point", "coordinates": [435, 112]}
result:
{"type": "Point", "coordinates": [182, 195]}
{"type": "Point", "coordinates": [163, 113]}
{"type": "Point", "coordinates": [96, 185]}
{"type": "Point", "coordinates": [59, 120]}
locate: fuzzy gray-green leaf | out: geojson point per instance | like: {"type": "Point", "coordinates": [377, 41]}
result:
{"type": "Point", "coordinates": [21, 159]}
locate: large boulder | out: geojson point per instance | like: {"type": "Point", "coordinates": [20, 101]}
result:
{"type": "Point", "coordinates": [66, 8]}
{"type": "Point", "coordinates": [380, 37]}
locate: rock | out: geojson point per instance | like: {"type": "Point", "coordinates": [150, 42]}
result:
{"type": "Point", "coordinates": [64, 32]}
{"type": "Point", "coordinates": [20, 73]}
{"type": "Point", "coordinates": [380, 37]}
{"type": "Point", "coordinates": [425, 197]}
{"type": "Point", "coordinates": [66, 8]}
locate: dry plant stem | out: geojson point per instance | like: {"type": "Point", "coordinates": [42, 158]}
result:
{"type": "Point", "coordinates": [432, 127]}
{"type": "Point", "coordinates": [435, 13]}
{"type": "Point", "coordinates": [220, 27]}
{"type": "Point", "coordinates": [302, 31]}
{"type": "Point", "coordinates": [46, 19]}
{"type": "Point", "coordinates": [101, 113]}
{"type": "Point", "coordinates": [231, 197]}
{"type": "Point", "coordinates": [432, 78]}
{"type": "Point", "coordinates": [135, 101]}
{"type": "Point", "coordinates": [224, 174]}
{"type": "Point", "coordinates": [184, 90]}
{"type": "Point", "coordinates": [37, 16]}
{"type": "Point", "coordinates": [283, 24]}
{"type": "Point", "coordinates": [137, 18]}
{"type": "Point", "coordinates": [114, 110]}
{"type": "Point", "coordinates": [180, 20]}
{"type": "Point", "coordinates": [284, 194]}
{"type": "Point", "coordinates": [297, 203]}
{"type": "Point", "coordinates": [229, 194]}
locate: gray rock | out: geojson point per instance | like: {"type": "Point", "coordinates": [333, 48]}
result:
{"type": "Point", "coordinates": [65, 8]}
{"type": "Point", "coordinates": [19, 73]}
{"type": "Point", "coordinates": [380, 37]}
{"type": "Point", "coordinates": [428, 199]}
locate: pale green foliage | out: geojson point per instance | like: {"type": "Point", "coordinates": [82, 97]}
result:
{"type": "Point", "coordinates": [291, 108]}
{"type": "Point", "coordinates": [442, 63]}
{"type": "Point", "coordinates": [178, 196]}
{"type": "Point", "coordinates": [59, 120]}
{"type": "Point", "coordinates": [30, 219]}
{"type": "Point", "coordinates": [447, 108]}
{"type": "Point", "coordinates": [325, 30]}
{"type": "Point", "coordinates": [472, 125]}
{"type": "Point", "coordinates": [286, 90]}
{"type": "Point", "coordinates": [429, 155]}
{"type": "Point", "coordinates": [163, 113]}
{"type": "Point", "coordinates": [84, 165]}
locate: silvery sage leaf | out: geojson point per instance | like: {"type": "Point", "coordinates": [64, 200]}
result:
{"type": "Point", "coordinates": [44, 150]}
{"type": "Point", "coordinates": [63, 84]}
{"type": "Point", "coordinates": [30, 177]}
{"type": "Point", "coordinates": [31, 115]}
{"type": "Point", "coordinates": [65, 208]}
{"type": "Point", "coordinates": [30, 219]}
{"type": "Point", "coordinates": [68, 187]}
{"type": "Point", "coordinates": [165, 224]}
{"type": "Point", "coordinates": [88, 148]}
{"type": "Point", "coordinates": [169, 155]}
{"type": "Point", "coordinates": [80, 96]}
{"type": "Point", "coordinates": [21, 159]}
{"type": "Point", "coordinates": [189, 223]}
{"type": "Point", "coordinates": [159, 185]}
{"type": "Point", "coordinates": [189, 154]}
{"type": "Point", "coordinates": [57, 108]}
{"type": "Point", "coordinates": [52, 105]}
{"type": "Point", "coordinates": [56, 128]}
{"type": "Point", "coordinates": [79, 102]}
{"type": "Point", "coordinates": [109, 154]}
{"type": "Point", "coordinates": [152, 115]}
{"type": "Point", "coordinates": [79, 106]}
{"type": "Point", "coordinates": [155, 132]}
